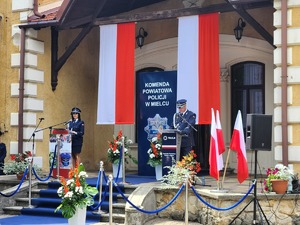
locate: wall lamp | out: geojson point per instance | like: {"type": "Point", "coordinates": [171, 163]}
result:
{"type": "Point", "coordinates": [238, 30]}
{"type": "Point", "coordinates": [141, 37]}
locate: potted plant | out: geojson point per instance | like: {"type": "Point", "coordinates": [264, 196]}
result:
{"type": "Point", "coordinates": [18, 164]}
{"type": "Point", "coordinates": [280, 174]}
{"type": "Point", "coordinates": [115, 146]}
{"type": "Point", "coordinates": [76, 195]}
{"type": "Point", "coordinates": [184, 169]}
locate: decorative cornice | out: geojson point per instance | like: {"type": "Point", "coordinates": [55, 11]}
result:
{"type": "Point", "coordinates": [224, 75]}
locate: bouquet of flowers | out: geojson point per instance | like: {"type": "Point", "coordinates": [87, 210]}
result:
{"type": "Point", "coordinates": [189, 162]}
{"type": "Point", "coordinates": [75, 192]}
{"type": "Point", "coordinates": [115, 146]}
{"type": "Point", "coordinates": [154, 152]}
{"type": "Point", "coordinates": [179, 171]}
{"type": "Point", "coordinates": [279, 172]}
{"type": "Point", "coordinates": [18, 163]}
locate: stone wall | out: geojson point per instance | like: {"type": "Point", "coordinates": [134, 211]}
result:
{"type": "Point", "coordinates": [278, 209]}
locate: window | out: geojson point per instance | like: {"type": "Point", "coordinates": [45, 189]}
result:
{"type": "Point", "coordinates": [247, 90]}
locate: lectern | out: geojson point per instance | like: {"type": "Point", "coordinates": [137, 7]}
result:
{"type": "Point", "coordinates": [170, 148]}
{"type": "Point", "coordinates": [60, 139]}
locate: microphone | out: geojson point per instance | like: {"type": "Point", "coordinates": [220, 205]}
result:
{"type": "Point", "coordinates": [42, 118]}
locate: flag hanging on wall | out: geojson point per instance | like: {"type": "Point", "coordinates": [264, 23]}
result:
{"type": "Point", "coordinates": [116, 74]}
{"type": "Point", "coordinates": [237, 144]}
{"type": "Point", "coordinates": [198, 78]}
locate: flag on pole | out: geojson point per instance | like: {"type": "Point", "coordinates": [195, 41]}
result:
{"type": "Point", "coordinates": [237, 144]}
{"type": "Point", "coordinates": [220, 134]}
{"type": "Point", "coordinates": [215, 158]}
{"type": "Point", "coordinates": [116, 74]}
{"type": "Point", "coordinates": [198, 38]}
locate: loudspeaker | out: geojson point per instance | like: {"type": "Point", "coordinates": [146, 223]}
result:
{"type": "Point", "coordinates": [259, 132]}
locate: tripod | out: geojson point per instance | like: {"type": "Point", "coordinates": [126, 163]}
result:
{"type": "Point", "coordinates": [254, 199]}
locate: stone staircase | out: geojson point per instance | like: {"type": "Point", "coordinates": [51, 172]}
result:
{"type": "Point", "coordinates": [43, 205]}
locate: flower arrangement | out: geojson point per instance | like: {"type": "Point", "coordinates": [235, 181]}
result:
{"type": "Point", "coordinates": [279, 172]}
{"type": "Point", "coordinates": [189, 162]}
{"type": "Point", "coordinates": [17, 163]}
{"type": "Point", "coordinates": [115, 146]}
{"type": "Point", "coordinates": [154, 152]}
{"type": "Point", "coordinates": [188, 167]}
{"type": "Point", "coordinates": [75, 192]}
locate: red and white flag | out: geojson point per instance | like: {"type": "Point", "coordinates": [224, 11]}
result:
{"type": "Point", "coordinates": [220, 134]}
{"type": "Point", "coordinates": [198, 64]}
{"type": "Point", "coordinates": [215, 158]}
{"type": "Point", "coordinates": [237, 144]}
{"type": "Point", "coordinates": [116, 74]}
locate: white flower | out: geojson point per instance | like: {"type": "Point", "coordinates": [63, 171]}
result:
{"type": "Point", "coordinates": [60, 191]}
{"type": "Point", "coordinates": [69, 194]}
{"type": "Point", "coordinates": [79, 190]}
{"type": "Point", "coordinates": [149, 151]}
{"type": "Point", "coordinates": [157, 146]}
{"type": "Point", "coordinates": [154, 139]}
{"type": "Point", "coordinates": [82, 174]}
{"type": "Point", "coordinates": [152, 156]}
{"type": "Point", "coordinates": [69, 182]}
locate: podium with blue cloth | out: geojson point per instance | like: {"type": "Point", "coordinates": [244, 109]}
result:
{"type": "Point", "coordinates": [61, 141]}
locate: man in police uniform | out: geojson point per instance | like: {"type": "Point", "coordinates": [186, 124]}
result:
{"type": "Point", "coordinates": [184, 122]}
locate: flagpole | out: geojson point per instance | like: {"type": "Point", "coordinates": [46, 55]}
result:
{"type": "Point", "coordinates": [225, 168]}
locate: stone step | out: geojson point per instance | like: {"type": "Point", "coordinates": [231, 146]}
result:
{"type": "Point", "coordinates": [12, 210]}
{"type": "Point", "coordinates": [117, 218]}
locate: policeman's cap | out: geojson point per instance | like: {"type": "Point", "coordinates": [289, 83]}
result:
{"type": "Point", "coordinates": [180, 103]}
{"type": "Point", "coordinates": [75, 110]}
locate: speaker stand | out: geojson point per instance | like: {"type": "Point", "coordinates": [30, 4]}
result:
{"type": "Point", "coordinates": [254, 199]}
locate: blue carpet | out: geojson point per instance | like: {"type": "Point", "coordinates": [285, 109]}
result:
{"type": "Point", "coordinates": [30, 220]}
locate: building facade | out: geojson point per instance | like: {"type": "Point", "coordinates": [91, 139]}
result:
{"type": "Point", "coordinates": [78, 77]}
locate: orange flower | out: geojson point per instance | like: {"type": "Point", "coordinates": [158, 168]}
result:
{"type": "Point", "coordinates": [77, 182]}
{"type": "Point", "coordinates": [120, 134]}
{"type": "Point", "coordinates": [71, 173]}
{"type": "Point", "coordinates": [189, 162]}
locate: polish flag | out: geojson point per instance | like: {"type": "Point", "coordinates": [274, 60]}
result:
{"type": "Point", "coordinates": [215, 158]}
{"type": "Point", "coordinates": [116, 74]}
{"type": "Point", "coordinates": [237, 144]}
{"type": "Point", "coordinates": [220, 134]}
{"type": "Point", "coordinates": [198, 64]}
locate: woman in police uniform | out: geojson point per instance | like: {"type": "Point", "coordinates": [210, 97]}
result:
{"type": "Point", "coordinates": [76, 127]}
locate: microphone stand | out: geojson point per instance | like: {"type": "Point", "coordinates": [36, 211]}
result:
{"type": "Point", "coordinates": [50, 127]}
{"type": "Point", "coordinates": [184, 120]}
{"type": "Point", "coordinates": [58, 143]}
{"type": "Point", "coordinates": [33, 135]}
{"type": "Point", "coordinates": [31, 160]}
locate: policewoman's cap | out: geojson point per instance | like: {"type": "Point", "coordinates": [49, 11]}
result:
{"type": "Point", "coordinates": [75, 110]}
{"type": "Point", "coordinates": [180, 103]}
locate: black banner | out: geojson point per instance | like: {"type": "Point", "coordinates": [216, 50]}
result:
{"type": "Point", "coordinates": [156, 105]}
